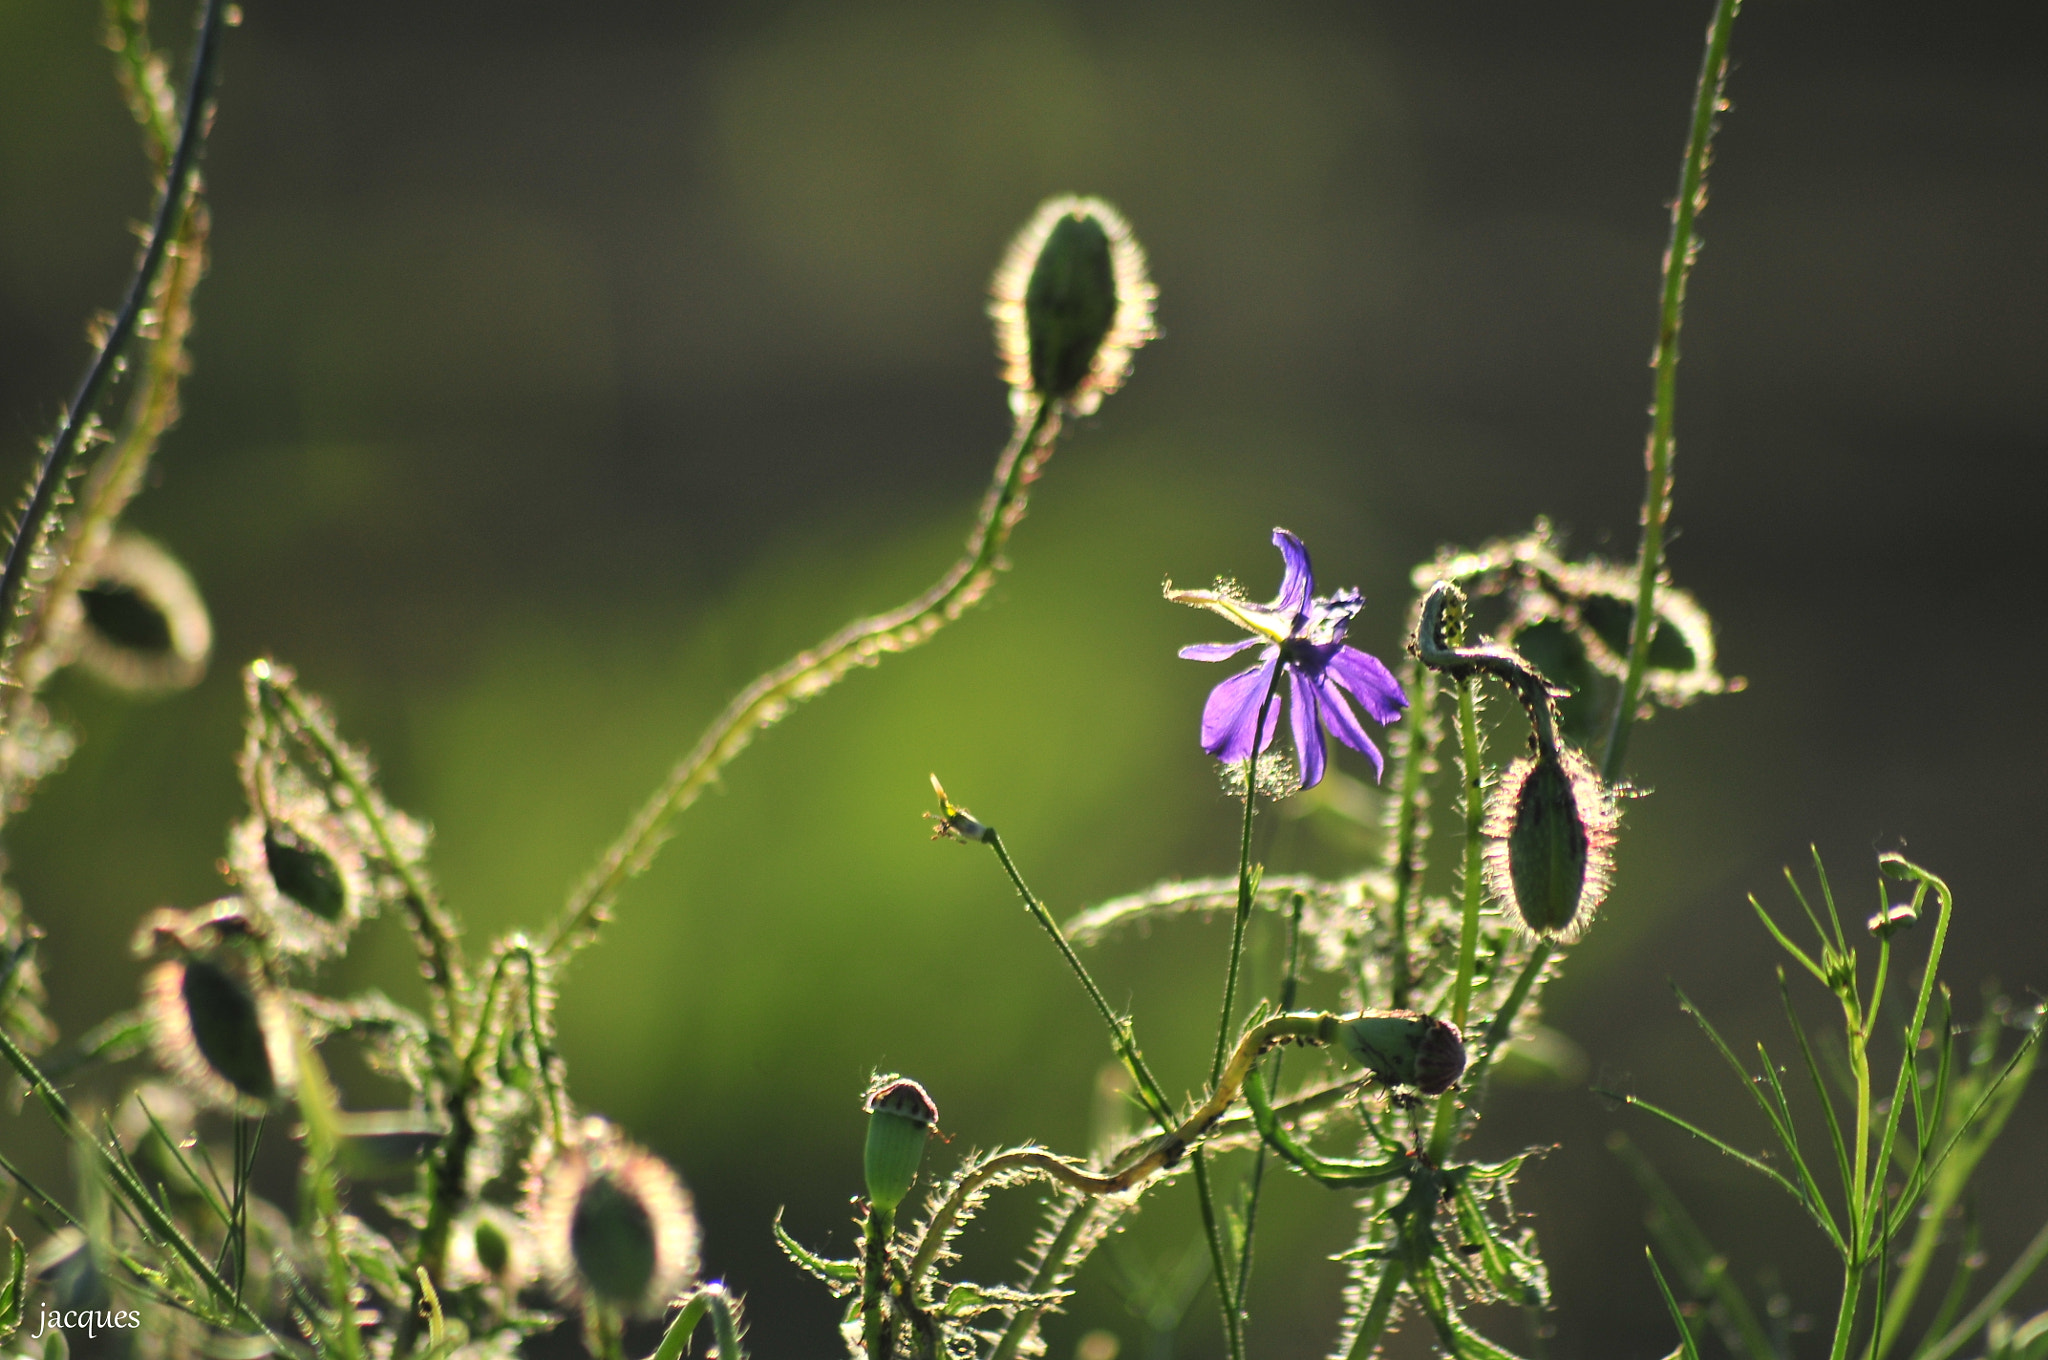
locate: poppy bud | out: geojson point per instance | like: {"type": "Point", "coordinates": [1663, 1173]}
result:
{"type": "Point", "coordinates": [616, 1224]}
{"type": "Point", "coordinates": [1551, 841]}
{"type": "Point", "coordinates": [225, 1036]}
{"type": "Point", "coordinates": [1071, 304]}
{"type": "Point", "coordinates": [141, 623]}
{"type": "Point", "coordinates": [1404, 1048]}
{"type": "Point", "coordinates": [301, 878]}
{"type": "Point", "coordinates": [900, 1120]}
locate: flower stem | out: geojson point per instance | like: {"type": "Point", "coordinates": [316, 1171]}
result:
{"type": "Point", "coordinates": [1413, 742]}
{"type": "Point", "coordinates": [78, 418]}
{"type": "Point", "coordinates": [1289, 986]}
{"type": "Point", "coordinates": [1678, 260]}
{"type": "Point", "coordinates": [764, 702]}
{"type": "Point", "coordinates": [1246, 877]}
{"type": "Point", "coordinates": [876, 1334]}
{"type": "Point", "coordinates": [1227, 1297]}
{"type": "Point", "coordinates": [1473, 754]}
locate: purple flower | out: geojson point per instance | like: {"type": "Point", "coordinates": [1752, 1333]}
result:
{"type": "Point", "coordinates": [1304, 638]}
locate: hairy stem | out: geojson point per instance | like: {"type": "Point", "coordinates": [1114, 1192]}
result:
{"type": "Point", "coordinates": [55, 468]}
{"type": "Point", "coordinates": [1413, 742]}
{"type": "Point", "coordinates": [1160, 1154]}
{"type": "Point", "coordinates": [440, 944]}
{"type": "Point", "coordinates": [764, 702]}
{"type": "Point", "coordinates": [1678, 261]}
{"type": "Point", "coordinates": [1473, 754]}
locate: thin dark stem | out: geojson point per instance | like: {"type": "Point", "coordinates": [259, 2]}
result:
{"type": "Point", "coordinates": [1227, 1297]}
{"type": "Point", "coordinates": [1244, 877]}
{"type": "Point", "coordinates": [1289, 986]}
{"type": "Point", "coordinates": [1120, 1034]}
{"type": "Point", "coordinates": [1678, 261]}
{"type": "Point", "coordinates": [56, 464]}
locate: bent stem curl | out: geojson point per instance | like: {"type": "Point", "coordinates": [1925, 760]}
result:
{"type": "Point", "coordinates": [1160, 1154]}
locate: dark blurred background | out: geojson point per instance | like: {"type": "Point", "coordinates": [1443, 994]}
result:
{"type": "Point", "coordinates": [563, 366]}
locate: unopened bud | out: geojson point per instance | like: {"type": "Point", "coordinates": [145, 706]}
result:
{"type": "Point", "coordinates": [1551, 841]}
{"type": "Point", "coordinates": [1405, 1048]}
{"type": "Point", "coordinates": [1071, 304]}
{"type": "Point", "coordinates": [616, 1224]}
{"type": "Point", "coordinates": [141, 623]}
{"type": "Point", "coordinates": [225, 1036]}
{"type": "Point", "coordinates": [900, 1120]}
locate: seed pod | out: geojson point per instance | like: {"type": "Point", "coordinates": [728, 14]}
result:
{"type": "Point", "coordinates": [225, 1036]}
{"type": "Point", "coordinates": [1550, 851]}
{"type": "Point", "coordinates": [1405, 1048]}
{"type": "Point", "coordinates": [900, 1120]}
{"type": "Point", "coordinates": [140, 623]}
{"type": "Point", "coordinates": [1071, 304]}
{"type": "Point", "coordinates": [615, 1224]}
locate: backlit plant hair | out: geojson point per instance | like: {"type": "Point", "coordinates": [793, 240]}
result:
{"type": "Point", "coordinates": [481, 1209]}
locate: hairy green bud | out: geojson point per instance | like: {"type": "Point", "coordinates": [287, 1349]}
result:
{"type": "Point", "coordinates": [615, 1224]}
{"type": "Point", "coordinates": [900, 1120]}
{"type": "Point", "coordinates": [1071, 304]}
{"type": "Point", "coordinates": [223, 1034]}
{"type": "Point", "coordinates": [1551, 841]}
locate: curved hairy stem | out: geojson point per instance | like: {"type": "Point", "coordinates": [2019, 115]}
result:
{"type": "Point", "coordinates": [1160, 1154]}
{"type": "Point", "coordinates": [55, 468]}
{"type": "Point", "coordinates": [764, 702]}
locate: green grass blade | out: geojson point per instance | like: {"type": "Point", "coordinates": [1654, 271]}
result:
{"type": "Point", "coordinates": [1815, 1210]}
{"type": "Point", "coordinates": [1704, 1269]}
{"type": "Point", "coordinates": [1987, 1307]}
{"type": "Point", "coordinates": [1687, 1346]}
{"type": "Point", "coordinates": [1785, 941]}
{"type": "Point", "coordinates": [1820, 1089]}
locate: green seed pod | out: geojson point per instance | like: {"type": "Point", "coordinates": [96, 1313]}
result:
{"type": "Point", "coordinates": [225, 1036]}
{"type": "Point", "coordinates": [1071, 304]}
{"type": "Point", "coordinates": [140, 623]}
{"type": "Point", "coordinates": [615, 1224]}
{"type": "Point", "coordinates": [1405, 1048]}
{"type": "Point", "coordinates": [900, 1120]}
{"type": "Point", "coordinates": [1550, 851]}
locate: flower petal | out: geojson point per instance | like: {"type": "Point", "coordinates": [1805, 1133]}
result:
{"type": "Point", "coordinates": [1308, 732]}
{"type": "Point", "coordinates": [1231, 714]}
{"type": "Point", "coordinates": [1298, 582]}
{"type": "Point", "coordinates": [1369, 681]}
{"type": "Point", "coordinates": [1343, 725]}
{"type": "Point", "coordinates": [1217, 651]}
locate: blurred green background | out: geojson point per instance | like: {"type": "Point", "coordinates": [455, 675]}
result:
{"type": "Point", "coordinates": [563, 366]}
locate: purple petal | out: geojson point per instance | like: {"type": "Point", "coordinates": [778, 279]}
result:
{"type": "Point", "coordinates": [1369, 682]}
{"type": "Point", "coordinates": [1217, 651]}
{"type": "Point", "coordinates": [1308, 733]}
{"type": "Point", "coordinates": [1343, 725]}
{"type": "Point", "coordinates": [1233, 711]}
{"type": "Point", "coordinates": [1298, 582]}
